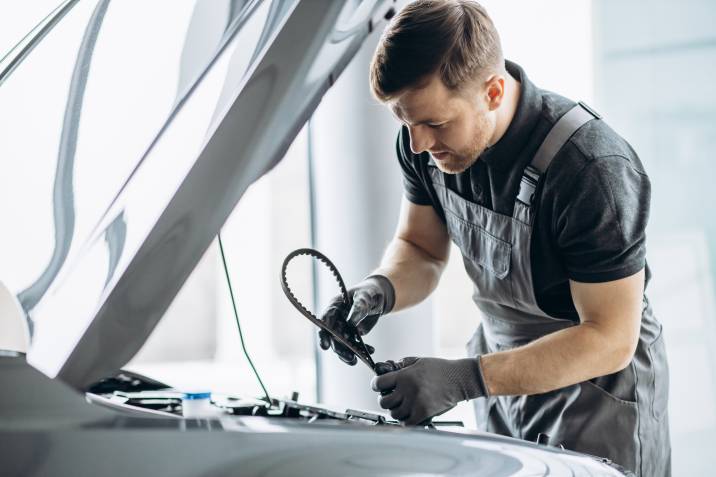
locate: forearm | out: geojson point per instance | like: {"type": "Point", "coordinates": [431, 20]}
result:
{"type": "Point", "coordinates": [554, 361]}
{"type": "Point", "coordinates": [412, 271]}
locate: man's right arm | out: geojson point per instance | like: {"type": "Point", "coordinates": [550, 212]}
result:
{"type": "Point", "coordinates": [412, 264]}
{"type": "Point", "coordinates": [417, 255]}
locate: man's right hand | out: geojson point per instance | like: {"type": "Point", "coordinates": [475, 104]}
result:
{"type": "Point", "coordinates": [370, 299]}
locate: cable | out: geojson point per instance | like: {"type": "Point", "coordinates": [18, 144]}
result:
{"type": "Point", "coordinates": [312, 214]}
{"type": "Point", "coordinates": [238, 324]}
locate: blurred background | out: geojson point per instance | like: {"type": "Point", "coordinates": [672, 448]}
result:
{"type": "Point", "coordinates": [649, 67]}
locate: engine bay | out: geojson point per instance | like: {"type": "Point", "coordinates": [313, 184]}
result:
{"type": "Point", "coordinates": [132, 391]}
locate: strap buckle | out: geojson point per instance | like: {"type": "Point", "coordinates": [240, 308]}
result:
{"type": "Point", "coordinates": [528, 185]}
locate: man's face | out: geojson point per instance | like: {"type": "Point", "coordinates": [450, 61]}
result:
{"type": "Point", "coordinates": [454, 127]}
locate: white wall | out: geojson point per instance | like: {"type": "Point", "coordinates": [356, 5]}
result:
{"type": "Point", "coordinates": [655, 73]}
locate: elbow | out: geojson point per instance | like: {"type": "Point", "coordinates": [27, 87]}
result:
{"type": "Point", "coordinates": [616, 350]}
{"type": "Point", "coordinates": [613, 348]}
{"type": "Point", "coordinates": [621, 356]}
{"type": "Point", "coordinates": [621, 364]}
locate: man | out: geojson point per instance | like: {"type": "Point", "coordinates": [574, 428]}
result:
{"type": "Point", "coordinates": [548, 206]}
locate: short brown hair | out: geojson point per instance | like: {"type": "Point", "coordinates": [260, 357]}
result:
{"type": "Point", "coordinates": [453, 37]}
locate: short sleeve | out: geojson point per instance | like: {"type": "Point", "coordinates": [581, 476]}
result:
{"type": "Point", "coordinates": [600, 231]}
{"type": "Point", "coordinates": [415, 190]}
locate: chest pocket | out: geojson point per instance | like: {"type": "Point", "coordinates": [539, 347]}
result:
{"type": "Point", "coordinates": [478, 246]}
{"type": "Point", "coordinates": [468, 224]}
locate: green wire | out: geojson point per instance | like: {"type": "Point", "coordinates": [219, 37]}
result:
{"type": "Point", "coordinates": [236, 315]}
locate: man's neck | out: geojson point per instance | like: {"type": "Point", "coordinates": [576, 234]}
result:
{"type": "Point", "coordinates": [506, 113]}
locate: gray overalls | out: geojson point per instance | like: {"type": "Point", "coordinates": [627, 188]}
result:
{"type": "Point", "coordinates": [586, 417]}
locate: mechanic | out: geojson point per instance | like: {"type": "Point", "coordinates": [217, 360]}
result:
{"type": "Point", "coordinates": [548, 206]}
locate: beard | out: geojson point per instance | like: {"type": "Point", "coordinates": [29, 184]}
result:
{"type": "Point", "coordinates": [461, 160]}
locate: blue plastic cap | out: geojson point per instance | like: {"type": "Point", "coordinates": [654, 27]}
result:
{"type": "Point", "coordinates": [194, 396]}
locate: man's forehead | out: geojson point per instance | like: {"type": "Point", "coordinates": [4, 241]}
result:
{"type": "Point", "coordinates": [421, 106]}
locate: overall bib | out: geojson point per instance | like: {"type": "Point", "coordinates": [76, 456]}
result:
{"type": "Point", "coordinates": [621, 416]}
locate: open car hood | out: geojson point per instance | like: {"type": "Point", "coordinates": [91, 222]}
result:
{"type": "Point", "coordinates": [230, 125]}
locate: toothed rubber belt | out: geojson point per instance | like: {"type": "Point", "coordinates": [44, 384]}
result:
{"type": "Point", "coordinates": [358, 346]}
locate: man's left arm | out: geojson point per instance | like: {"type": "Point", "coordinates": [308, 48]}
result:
{"type": "Point", "coordinates": [601, 239]}
{"type": "Point", "coordinates": [602, 343]}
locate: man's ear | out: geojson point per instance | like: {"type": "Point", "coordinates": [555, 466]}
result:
{"type": "Point", "coordinates": [494, 91]}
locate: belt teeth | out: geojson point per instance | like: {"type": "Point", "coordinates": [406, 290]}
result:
{"type": "Point", "coordinates": [305, 311]}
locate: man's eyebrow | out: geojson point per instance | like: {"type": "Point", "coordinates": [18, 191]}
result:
{"type": "Point", "coordinates": [396, 112]}
{"type": "Point", "coordinates": [422, 121]}
{"type": "Point", "coordinates": [431, 121]}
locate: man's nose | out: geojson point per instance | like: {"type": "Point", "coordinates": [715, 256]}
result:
{"type": "Point", "coordinates": [420, 139]}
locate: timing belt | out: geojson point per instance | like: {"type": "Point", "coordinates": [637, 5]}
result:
{"type": "Point", "coordinates": [355, 342]}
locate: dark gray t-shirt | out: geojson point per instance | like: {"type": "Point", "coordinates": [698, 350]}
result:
{"type": "Point", "coordinates": [592, 204]}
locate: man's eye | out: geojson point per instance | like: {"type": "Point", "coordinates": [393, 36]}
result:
{"type": "Point", "coordinates": [437, 126]}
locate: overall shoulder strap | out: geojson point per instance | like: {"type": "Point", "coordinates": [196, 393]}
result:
{"type": "Point", "coordinates": [557, 137]}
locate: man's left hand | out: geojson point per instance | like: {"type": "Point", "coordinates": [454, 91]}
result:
{"type": "Point", "coordinates": [425, 387]}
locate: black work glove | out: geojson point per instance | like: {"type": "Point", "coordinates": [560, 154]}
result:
{"type": "Point", "coordinates": [370, 299]}
{"type": "Point", "coordinates": [425, 387]}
